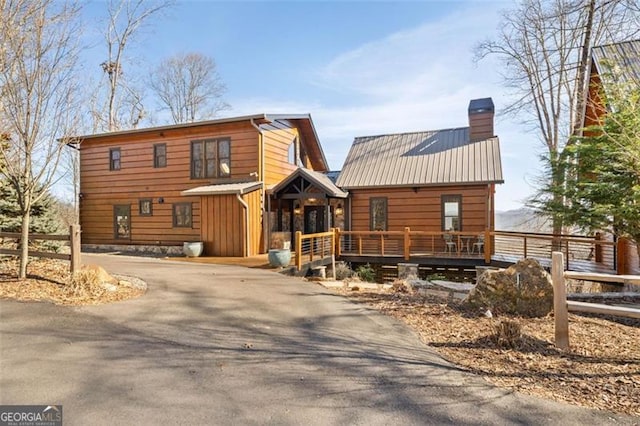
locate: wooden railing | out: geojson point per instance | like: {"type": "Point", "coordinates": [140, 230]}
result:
{"type": "Point", "coordinates": [410, 243]}
{"type": "Point", "coordinates": [561, 306]}
{"type": "Point", "coordinates": [74, 243]}
{"type": "Point", "coordinates": [314, 247]}
{"type": "Point", "coordinates": [508, 245]}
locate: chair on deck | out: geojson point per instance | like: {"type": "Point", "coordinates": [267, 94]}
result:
{"type": "Point", "coordinates": [479, 244]}
{"type": "Point", "coordinates": [450, 244]}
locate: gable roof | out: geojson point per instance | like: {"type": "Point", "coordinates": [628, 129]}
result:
{"type": "Point", "coordinates": [320, 180]}
{"type": "Point", "coordinates": [438, 157]}
{"type": "Point", "coordinates": [625, 55]}
{"type": "Point", "coordinates": [303, 121]}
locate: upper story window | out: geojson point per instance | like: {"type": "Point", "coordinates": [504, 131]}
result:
{"type": "Point", "coordinates": [114, 159]}
{"type": "Point", "coordinates": [210, 158]}
{"type": "Point", "coordinates": [451, 212]}
{"type": "Point", "coordinates": [378, 214]}
{"type": "Point", "coordinates": [160, 155]}
{"type": "Point", "coordinates": [291, 153]}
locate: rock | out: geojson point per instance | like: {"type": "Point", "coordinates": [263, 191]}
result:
{"type": "Point", "coordinates": [109, 287]}
{"type": "Point", "coordinates": [101, 275]}
{"type": "Point", "coordinates": [522, 289]}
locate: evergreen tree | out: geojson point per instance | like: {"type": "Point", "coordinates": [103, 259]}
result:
{"type": "Point", "coordinates": [45, 218]}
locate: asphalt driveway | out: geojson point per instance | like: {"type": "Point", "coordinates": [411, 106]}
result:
{"type": "Point", "coordinates": [212, 344]}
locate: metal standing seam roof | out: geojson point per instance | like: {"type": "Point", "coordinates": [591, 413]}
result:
{"type": "Point", "coordinates": [439, 157]}
{"type": "Point", "coordinates": [224, 189]}
{"type": "Point", "coordinates": [625, 55]}
{"type": "Point", "coordinates": [321, 180]}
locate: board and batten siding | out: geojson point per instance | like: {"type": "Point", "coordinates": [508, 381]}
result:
{"type": "Point", "coordinates": [137, 179]}
{"type": "Point", "coordinates": [420, 209]}
{"type": "Point", "coordinates": [223, 228]}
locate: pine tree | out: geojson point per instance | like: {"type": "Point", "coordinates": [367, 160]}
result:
{"type": "Point", "coordinates": [44, 213]}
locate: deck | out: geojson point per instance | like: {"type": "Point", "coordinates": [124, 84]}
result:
{"type": "Point", "coordinates": [464, 250]}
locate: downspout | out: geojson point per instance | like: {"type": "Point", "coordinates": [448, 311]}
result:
{"type": "Point", "coordinates": [261, 158]}
{"type": "Point", "coordinates": [245, 206]}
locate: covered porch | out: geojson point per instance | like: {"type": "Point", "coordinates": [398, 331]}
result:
{"type": "Point", "coordinates": [306, 201]}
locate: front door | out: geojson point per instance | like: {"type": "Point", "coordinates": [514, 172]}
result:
{"type": "Point", "coordinates": [314, 217]}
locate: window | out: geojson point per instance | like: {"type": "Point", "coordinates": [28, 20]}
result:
{"type": "Point", "coordinates": [122, 222]}
{"type": "Point", "coordinates": [182, 215]}
{"type": "Point", "coordinates": [160, 155]}
{"type": "Point", "coordinates": [451, 212]}
{"type": "Point", "coordinates": [146, 208]}
{"type": "Point", "coordinates": [114, 159]}
{"type": "Point", "coordinates": [378, 214]}
{"type": "Point", "coordinates": [291, 153]}
{"type": "Point", "coordinates": [210, 158]}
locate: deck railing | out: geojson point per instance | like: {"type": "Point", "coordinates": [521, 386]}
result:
{"type": "Point", "coordinates": [561, 306]}
{"type": "Point", "coordinates": [314, 247]}
{"type": "Point", "coordinates": [488, 245]}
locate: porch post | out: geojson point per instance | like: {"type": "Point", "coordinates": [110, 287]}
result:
{"type": "Point", "coordinates": [327, 215]}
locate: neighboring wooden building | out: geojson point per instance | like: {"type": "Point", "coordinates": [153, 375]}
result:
{"type": "Point", "coordinates": [442, 180]}
{"type": "Point", "coordinates": [619, 61]}
{"type": "Point", "coordinates": [202, 181]}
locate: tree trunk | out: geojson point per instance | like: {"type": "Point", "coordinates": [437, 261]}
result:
{"type": "Point", "coordinates": [24, 245]}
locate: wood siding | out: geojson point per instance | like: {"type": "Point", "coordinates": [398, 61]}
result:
{"type": "Point", "coordinates": [278, 137]}
{"type": "Point", "coordinates": [421, 210]}
{"type": "Point", "coordinates": [224, 229]}
{"type": "Point", "coordinates": [102, 189]}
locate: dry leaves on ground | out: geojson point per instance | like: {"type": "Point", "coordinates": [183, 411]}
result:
{"type": "Point", "coordinates": [50, 281]}
{"type": "Point", "coordinates": [601, 370]}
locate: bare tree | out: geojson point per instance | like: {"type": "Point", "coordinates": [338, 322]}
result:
{"type": "Point", "coordinates": [545, 46]}
{"type": "Point", "coordinates": [37, 87]}
{"type": "Point", "coordinates": [123, 102]}
{"type": "Point", "coordinates": [189, 86]}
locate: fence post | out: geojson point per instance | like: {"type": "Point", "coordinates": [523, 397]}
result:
{"type": "Point", "coordinates": [407, 243]}
{"type": "Point", "coordinates": [598, 249]}
{"type": "Point", "coordinates": [560, 310]}
{"type": "Point", "coordinates": [298, 250]}
{"type": "Point", "coordinates": [75, 243]}
{"type": "Point", "coordinates": [621, 256]}
{"type": "Point", "coordinates": [487, 246]}
{"type": "Point", "coordinates": [336, 236]}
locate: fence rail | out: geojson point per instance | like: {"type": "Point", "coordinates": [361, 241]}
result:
{"type": "Point", "coordinates": [74, 243]}
{"type": "Point", "coordinates": [561, 306]}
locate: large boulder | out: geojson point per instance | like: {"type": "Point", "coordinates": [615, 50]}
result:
{"type": "Point", "coordinates": [522, 289]}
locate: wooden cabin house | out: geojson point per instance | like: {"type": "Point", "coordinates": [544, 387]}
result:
{"type": "Point", "coordinates": [623, 61]}
{"type": "Point", "coordinates": [240, 184]}
{"type": "Point", "coordinates": [440, 180]}
{"type": "Point", "coordinates": [204, 181]}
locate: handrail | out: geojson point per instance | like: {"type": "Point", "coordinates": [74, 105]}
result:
{"type": "Point", "coordinates": [327, 246]}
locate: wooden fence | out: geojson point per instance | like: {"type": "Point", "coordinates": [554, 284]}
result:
{"type": "Point", "coordinates": [318, 248]}
{"type": "Point", "coordinates": [74, 243]}
{"type": "Point", "coordinates": [561, 306]}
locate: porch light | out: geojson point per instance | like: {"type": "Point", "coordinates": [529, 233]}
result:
{"type": "Point", "coordinates": [339, 210]}
{"type": "Point", "coordinates": [296, 209]}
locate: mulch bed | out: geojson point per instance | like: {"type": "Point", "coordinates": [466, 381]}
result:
{"type": "Point", "coordinates": [48, 281]}
{"type": "Point", "coordinates": [601, 370]}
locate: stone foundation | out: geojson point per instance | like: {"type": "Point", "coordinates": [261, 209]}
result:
{"type": "Point", "coordinates": [133, 249]}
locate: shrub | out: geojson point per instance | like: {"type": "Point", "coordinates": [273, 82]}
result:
{"type": "Point", "coordinates": [366, 273]}
{"type": "Point", "coordinates": [344, 271]}
{"type": "Point", "coordinates": [507, 334]}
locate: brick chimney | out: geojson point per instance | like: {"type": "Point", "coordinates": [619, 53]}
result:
{"type": "Point", "coordinates": [481, 112]}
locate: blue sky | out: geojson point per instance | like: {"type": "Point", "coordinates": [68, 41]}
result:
{"type": "Point", "coordinates": [359, 68]}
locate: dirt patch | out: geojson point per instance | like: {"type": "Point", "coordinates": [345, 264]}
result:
{"type": "Point", "coordinates": [601, 370]}
{"type": "Point", "coordinates": [50, 281]}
